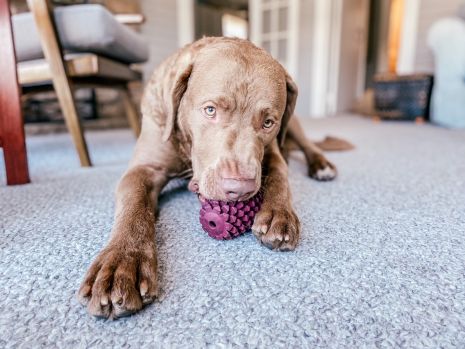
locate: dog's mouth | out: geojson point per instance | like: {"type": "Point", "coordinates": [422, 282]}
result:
{"type": "Point", "coordinates": [204, 199]}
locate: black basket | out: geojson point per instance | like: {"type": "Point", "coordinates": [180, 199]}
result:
{"type": "Point", "coordinates": [45, 107]}
{"type": "Point", "coordinates": [403, 97]}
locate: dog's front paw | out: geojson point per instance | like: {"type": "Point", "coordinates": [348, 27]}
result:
{"type": "Point", "coordinates": [277, 228]}
{"type": "Point", "coordinates": [321, 169]}
{"type": "Point", "coordinates": [119, 282]}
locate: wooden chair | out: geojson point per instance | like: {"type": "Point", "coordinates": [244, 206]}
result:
{"type": "Point", "coordinates": [11, 123]}
{"type": "Point", "coordinates": [60, 72]}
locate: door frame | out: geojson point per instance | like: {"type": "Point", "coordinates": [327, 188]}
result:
{"type": "Point", "coordinates": [185, 21]}
{"type": "Point", "coordinates": [255, 24]}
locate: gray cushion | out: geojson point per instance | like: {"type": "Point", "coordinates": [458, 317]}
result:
{"type": "Point", "coordinates": [82, 28]}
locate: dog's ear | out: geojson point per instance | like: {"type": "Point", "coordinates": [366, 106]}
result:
{"type": "Point", "coordinates": [176, 88]}
{"type": "Point", "coordinates": [165, 89]}
{"type": "Point", "coordinates": [291, 98]}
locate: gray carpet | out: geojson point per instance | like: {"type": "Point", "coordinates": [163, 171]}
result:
{"type": "Point", "coordinates": [381, 262]}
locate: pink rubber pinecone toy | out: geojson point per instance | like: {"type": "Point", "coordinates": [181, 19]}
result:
{"type": "Point", "coordinates": [226, 220]}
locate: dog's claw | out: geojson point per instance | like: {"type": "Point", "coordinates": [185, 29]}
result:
{"type": "Point", "coordinates": [143, 288]}
{"type": "Point", "coordinates": [104, 301]}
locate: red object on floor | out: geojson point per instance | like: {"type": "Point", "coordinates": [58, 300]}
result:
{"type": "Point", "coordinates": [11, 121]}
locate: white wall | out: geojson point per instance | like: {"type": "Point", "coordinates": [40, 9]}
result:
{"type": "Point", "coordinates": [160, 30]}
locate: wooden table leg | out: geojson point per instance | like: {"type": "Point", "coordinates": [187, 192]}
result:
{"type": "Point", "coordinates": [11, 121]}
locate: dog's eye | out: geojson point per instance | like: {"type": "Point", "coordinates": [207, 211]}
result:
{"type": "Point", "coordinates": [210, 111]}
{"type": "Point", "coordinates": [268, 123]}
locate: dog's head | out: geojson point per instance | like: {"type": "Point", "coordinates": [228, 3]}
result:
{"type": "Point", "coordinates": [230, 101]}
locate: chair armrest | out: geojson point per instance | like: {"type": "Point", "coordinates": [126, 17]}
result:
{"type": "Point", "coordinates": [130, 18]}
{"type": "Point", "coordinates": [56, 3]}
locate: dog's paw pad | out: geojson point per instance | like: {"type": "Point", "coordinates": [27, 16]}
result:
{"type": "Point", "coordinates": [321, 169]}
{"type": "Point", "coordinates": [326, 174]}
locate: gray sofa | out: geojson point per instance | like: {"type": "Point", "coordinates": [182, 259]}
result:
{"type": "Point", "coordinates": [446, 38]}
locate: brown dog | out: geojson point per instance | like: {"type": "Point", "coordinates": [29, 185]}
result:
{"type": "Point", "coordinates": [217, 111]}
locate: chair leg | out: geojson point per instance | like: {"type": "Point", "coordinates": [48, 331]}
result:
{"type": "Point", "coordinates": [68, 107]}
{"type": "Point", "coordinates": [13, 140]}
{"type": "Point", "coordinates": [11, 121]}
{"type": "Point", "coordinates": [131, 111]}
{"type": "Point", "coordinates": [43, 16]}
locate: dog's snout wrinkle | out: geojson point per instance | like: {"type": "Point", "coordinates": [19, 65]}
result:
{"type": "Point", "coordinates": [232, 169]}
{"type": "Point", "coordinates": [234, 189]}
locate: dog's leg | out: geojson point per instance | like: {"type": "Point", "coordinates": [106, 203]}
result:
{"type": "Point", "coordinates": [289, 145]}
{"type": "Point", "coordinates": [276, 225]}
{"type": "Point", "coordinates": [123, 277]}
{"type": "Point", "coordinates": [318, 166]}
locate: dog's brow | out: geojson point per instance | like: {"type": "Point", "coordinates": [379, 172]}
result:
{"type": "Point", "coordinates": [222, 101]}
{"type": "Point", "coordinates": [268, 112]}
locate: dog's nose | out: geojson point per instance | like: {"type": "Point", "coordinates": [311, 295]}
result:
{"type": "Point", "coordinates": [237, 188]}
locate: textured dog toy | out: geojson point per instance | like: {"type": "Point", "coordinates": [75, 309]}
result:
{"type": "Point", "coordinates": [226, 220]}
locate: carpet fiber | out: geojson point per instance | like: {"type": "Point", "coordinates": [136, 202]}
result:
{"type": "Point", "coordinates": [381, 262]}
